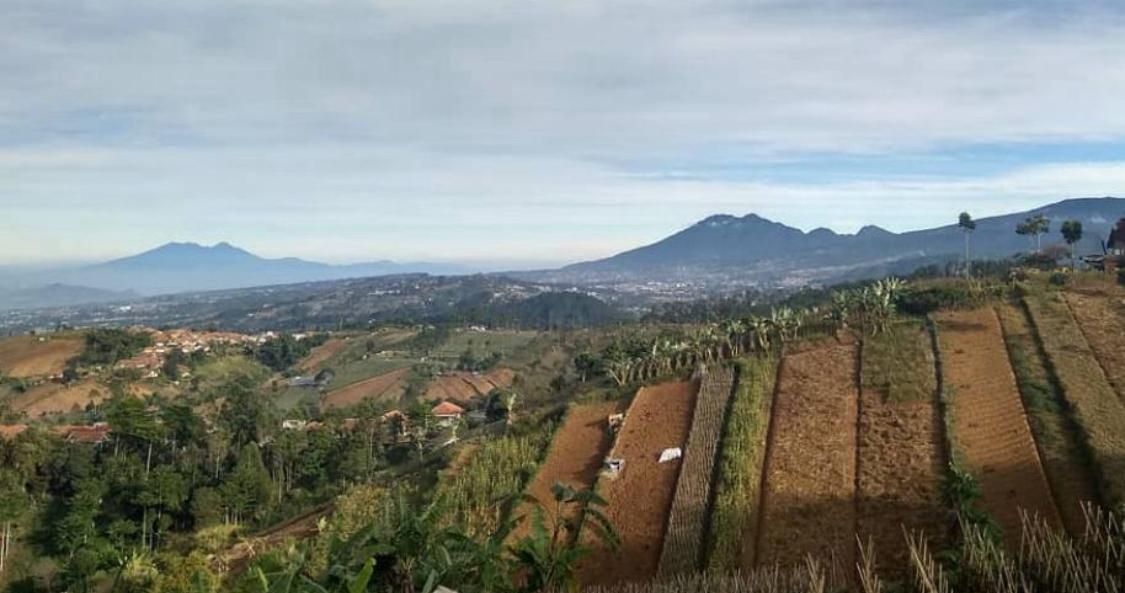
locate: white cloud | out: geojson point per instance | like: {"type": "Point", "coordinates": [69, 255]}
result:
{"type": "Point", "coordinates": [415, 128]}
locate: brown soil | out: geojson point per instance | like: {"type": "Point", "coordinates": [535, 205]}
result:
{"type": "Point", "coordinates": [377, 387]}
{"type": "Point", "coordinates": [321, 353]}
{"type": "Point", "coordinates": [899, 469]}
{"type": "Point", "coordinates": [575, 457]}
{"type": "Point", "coordinates": [26, 356]}
{"type": "Point", "coordinates": [1059, 448]}
{"type": "Point", "coordinates": [1102, 321]}
{"type": "Point", "coordinates": [808, 503]}
{"type": "Point", "coordinates": [641, 496]}
{"type": "Point", "coordinates": [464, 386]}
{"type": "Point", "coordinates": [990, 426]}
{"type": "Point", "coordinates": [50, 398]}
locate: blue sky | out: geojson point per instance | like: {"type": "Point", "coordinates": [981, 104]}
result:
{"type": "Point", "coordinates": [535, 132]}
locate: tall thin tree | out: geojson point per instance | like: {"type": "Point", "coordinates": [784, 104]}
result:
{"type": "Point", "coordinates": [968, 225]}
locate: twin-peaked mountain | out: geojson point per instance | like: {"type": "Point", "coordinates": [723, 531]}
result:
{"type": "Point", "coordinates": [752, 245]}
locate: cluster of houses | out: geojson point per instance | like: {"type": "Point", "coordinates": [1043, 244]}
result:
{"type": "Point", "coordinates": [151, 359]}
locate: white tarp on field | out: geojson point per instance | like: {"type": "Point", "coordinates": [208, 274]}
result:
{"type": "Point", "coordinates": [670, 454]}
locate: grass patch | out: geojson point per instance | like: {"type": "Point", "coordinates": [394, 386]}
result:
{"type": "Point", "coordinates": [899, 363]}
{"type": "Point", "coordinates": [1097, 411]}
{"type": "Point", "coordinates": [222, 370]}
{"type": "Point", "coordinates": [742, 452]}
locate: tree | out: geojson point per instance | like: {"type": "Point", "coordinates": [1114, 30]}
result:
{"type": "Point", "coordinates": [968, 225]}
{"type": "Point", "coordinates": [13, 504]}
{"type": "Point", "coordinates": [549, 555]}
{"type": "Point", "coordinates": [1035, 226]}
{"type": "Point", "coordinates": [248, 489]}
{"type": "Point", "coordinates": [1072, 233]}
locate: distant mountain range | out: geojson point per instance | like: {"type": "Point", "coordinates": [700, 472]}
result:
{"type": "Point", "coordinates": [718, 253]}
{"type": "Point", "coordinates": [186, 267]}
{"type": "Point", "coordinates": [753, 248]}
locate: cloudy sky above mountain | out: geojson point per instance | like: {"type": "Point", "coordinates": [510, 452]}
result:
{"type": "Point", "coordinates": [537, 131]}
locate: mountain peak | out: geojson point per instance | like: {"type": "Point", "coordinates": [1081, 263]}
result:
{"type": "Point", "coordinates": [873, 231]}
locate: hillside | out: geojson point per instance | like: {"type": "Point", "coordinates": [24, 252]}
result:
{"type": "Point", "coordinates": [755, 248]}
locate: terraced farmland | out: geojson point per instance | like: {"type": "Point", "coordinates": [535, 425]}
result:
{"type": "Point", "coordinates": [734, 519]}
{"type": "Point", "coordinates": [1101, 318]}
{"type": "Point", "coordinates": [574, 458]}
{"type": "Point", "coordinates": [641, 497]}
{"type": "Point", "coordinates": [990, 426]}
{"type": "Point", "coordinates": [1097, 410]}
{"type": "Point", "coordinates": [683, 542]}
{"type": "Point", "coordinates": [900, 457]}
{"type": "Point", "coordinates": [1064, 458]}
{"type": "Point", "coordinates": [808, 504]}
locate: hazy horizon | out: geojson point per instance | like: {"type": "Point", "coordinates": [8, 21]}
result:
{"type": "Point", "coordinates": [544, 133]}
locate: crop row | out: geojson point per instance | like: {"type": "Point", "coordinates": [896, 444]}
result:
{"type": "Point", "coordinates": [743, 451]}
{"type": "Point", "coordinates": [1095, 406]}
{"type": "Point", "coordinates": [683, 541]}
{"type": "Point", "coordinates": [479, 497]}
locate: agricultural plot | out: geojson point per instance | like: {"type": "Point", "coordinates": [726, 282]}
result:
{"type": "Point", "coordinates": [463, 386]}
{"type": "Point", "coordinates": [990, 427]}
{"type": "Point", "coordinates": [1095, 406]}
{"type": "Point", "coordinates": [640, 498]}
{"type": "Point", "coordinates": [574, 458]}
{"type": "Point", "coordinates": [36, 356]}
{"type": "Point", "coordinates": [900, 457]}
{"type": "Point", "coordinates": [734, 519]}
{"type": "Point", "coordinates": [320, 354]}
{"type": "Point", "coordinates": [56, 398]}
{"type": "Point", "coordinates": [683, 541]}
{"type": "Point", "coordinates": [477, 495]}
{"type": "Point", "coordinates": [1102, 321]}
{"type": "Point", "coordinates": [808, 502]}
{"type": "Point", "coordinates": [1055, 433]}
{"type": "Point", "coordinates": [386, 387]}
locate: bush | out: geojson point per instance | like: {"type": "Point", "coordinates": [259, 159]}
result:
{"type": "Point", "coordinates": [1059, 279]}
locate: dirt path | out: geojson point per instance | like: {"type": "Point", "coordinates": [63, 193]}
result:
{"type": "Point", "coordinates": [575, 456]}
{"type": "Point", "coordinates": [641, 497]}
{"type": "Point", "coordinates": [1055, 432]}
{"type": "Point", "coordinates": [899, 469]}
{"type": "Point", "coordinates": [808, 503]}
{"type": "Point", "coordinates": [1101, 320]}
{"type": "Point", "coordinates": [989, 423]}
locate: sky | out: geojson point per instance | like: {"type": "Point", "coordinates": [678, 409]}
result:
{"type": "Point", "coordinates": [512, 133]}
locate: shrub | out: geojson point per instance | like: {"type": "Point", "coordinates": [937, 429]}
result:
{"type": "Point", "coordinates": [1059, 279]}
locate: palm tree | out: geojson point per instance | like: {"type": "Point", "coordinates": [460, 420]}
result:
{"type": "Point", "coordinates": [1034, 226]}
{"type": "Point", "coordinates": [968, 225]}
{"type": "Point", "coordinates": [1072, 233]}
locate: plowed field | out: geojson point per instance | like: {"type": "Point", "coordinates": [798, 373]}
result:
{"type": "Point", "coordinates": [321, 353]}
{"type": "Point", "coordinates": [989, 423]}
{"type": "Point", "coordinates": [900, 459]}
{"type": "Point", "coordinates": [385, 386]}
{"type": "Point", "coordinates": [26, 356]}
{"type": "Point", "coordinates": [641, 497]}
{"type": "Point", "coordinates": [1055, 431]}
{"type": "Point", "coordinates": [463, 386]}
{"type": "Point", "coordinates": [808, 505]}
{"type": "Point", "coordinates": [51, 398]}
{"type": "Point", "coordinates": [1103, 324]}
{"type": "Point", "coordinates": [575, 456]}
